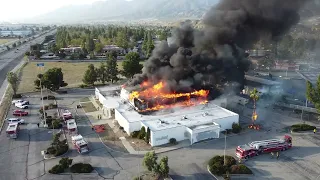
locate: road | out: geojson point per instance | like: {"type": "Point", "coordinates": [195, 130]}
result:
{"type": "Point", "coordinates": [10, 59]}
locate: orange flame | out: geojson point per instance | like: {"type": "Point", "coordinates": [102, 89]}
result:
{"type": "Point", "coordinates": [156, 92]}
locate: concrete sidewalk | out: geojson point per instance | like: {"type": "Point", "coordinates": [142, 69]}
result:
{"type": "Point", "coordinates": [124, 141]}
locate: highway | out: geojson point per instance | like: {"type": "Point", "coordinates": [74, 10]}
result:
{"type": "Point", "coordinates": [10, 59]}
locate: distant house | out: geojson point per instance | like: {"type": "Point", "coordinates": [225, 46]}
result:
{"type": "Point", "coordinates": [15, 33]}
{"type": "Point", "coordinates": [113, 48]}
{"type": "Point", "coordinates": [49, 56]}
{"type": "Point", "coordinates": [71, 50]}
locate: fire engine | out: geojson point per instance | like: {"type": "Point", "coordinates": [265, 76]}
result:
{"type": "Point", "coordinates": [80, 144]}
{"type": "Point", "coordinates": [13, 130]}
{"type": "Point", "coordinates": [72, 126]}
{"type": "Point", "coordinates": [66, 115]}
{"type": "Point", "coordinates": [256, 148]}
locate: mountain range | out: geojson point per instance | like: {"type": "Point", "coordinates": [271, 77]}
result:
{"type": "Point", "coordinates": [124, 10]}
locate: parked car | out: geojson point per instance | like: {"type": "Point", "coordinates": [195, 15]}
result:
{"type": "Point", "coordinates": [15, 120]}
{"type": "Point", "coordinates": [20, 101]}
{"type": "Point", "coordinates": [20, 113]}
{"type": "Point", "coordinates": [21, 106]}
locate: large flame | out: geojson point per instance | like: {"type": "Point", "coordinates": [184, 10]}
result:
{"type": "Point", "coordinates": [156, 92]}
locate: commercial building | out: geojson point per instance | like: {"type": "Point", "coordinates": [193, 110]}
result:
{"type": "Point", "coordinates": [194, 123]}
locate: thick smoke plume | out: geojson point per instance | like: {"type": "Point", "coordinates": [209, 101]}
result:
{"type": "Point", "coordinates": [214, 55]}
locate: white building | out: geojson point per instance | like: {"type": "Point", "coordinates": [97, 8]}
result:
{"type": "Point", "coordinates": [195, 123]}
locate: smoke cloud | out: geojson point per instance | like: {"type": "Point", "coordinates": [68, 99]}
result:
{"type": "Point", "coordinates": [215, 55]}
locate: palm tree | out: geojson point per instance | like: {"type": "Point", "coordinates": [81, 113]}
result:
{"type": "Point", "coordinates": [254, 95]}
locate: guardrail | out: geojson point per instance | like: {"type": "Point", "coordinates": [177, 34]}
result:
{"type": "Point", "coordinates": [293, 106]}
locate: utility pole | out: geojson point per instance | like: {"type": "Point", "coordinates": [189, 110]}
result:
{"type": "Point", "coordinates": [225, 147]}
{"type": "Point", "coordinates": [43, 110]}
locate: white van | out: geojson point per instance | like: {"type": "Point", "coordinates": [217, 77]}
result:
{"type": "Point", "coordinates": [15, 120]}
{"type": "Point", "coordinates": [72, 126]}
{"type": "Point", "coordinates": [13, 130]}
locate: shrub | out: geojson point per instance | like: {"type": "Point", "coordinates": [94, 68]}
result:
{"type": "Point", "coordinates": [217, 169]}
{"type": "Point", "coordinates": [240, 169]}
{"type": "Point", "coordinates": [216, 164]}
{"type": "Point", "coordinates": [83, 86]}
{"type": "Point", "coordinates": [61, 149]}
{"type": "Point", "coordinates": [54, 124]}
{"type": "Point", "coordinates": [51, 150]}
{"type": "Point", "coordinates": [230, 161]}
{"type": "Point", "coordinates": [302, 127]}
{"type": "Point", "coordinates": [142, 133]}
{"type": "Point", "coordinates": [81, 168]}
{"type": "Point", "coordinates": [50, 97]}
{"type": "Point", "coordinates": [135, 134]}
{"type": "Point", "coordinates": [56, 169]}
{"type": "Point", "coordinates": [65, 162]}
{"type": "Point", "coordinates": [52, 106]}
{"type": "Point", "coordinates": [236, 128]}
{"type": "Point", "coordinates": [17, 96]}
{"type": "Point", "coordinates": [172, 141]}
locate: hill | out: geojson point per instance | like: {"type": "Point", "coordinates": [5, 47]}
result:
{"type": "Point", "coordinates": [123, 10]}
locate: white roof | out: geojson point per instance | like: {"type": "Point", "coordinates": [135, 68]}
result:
{"type": "Point", "coordinates": [79, 140]}
{"type": "Point", "coordinates": [194, 114]}
{"type": "Point", "coordinates": [196, 117]}
{"type": "Point", "coordinates": [12, 126]}
{"type": "Point", "coordinates": [71, 123]}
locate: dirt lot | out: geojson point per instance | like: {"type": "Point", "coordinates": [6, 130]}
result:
{"type": "Point", "coordinates": [3, 41]}
{"type": "Point", "coordinates": [88, 107]}
{"type": "Point", "coordinates": [112, 140]}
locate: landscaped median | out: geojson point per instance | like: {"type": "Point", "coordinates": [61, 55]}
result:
{"type": "Point", "coordinates": [302, 128]}
{"type": "Point", "coordinates": [217, 167]}
{"type": "Point", "coordinates": [59, 146]}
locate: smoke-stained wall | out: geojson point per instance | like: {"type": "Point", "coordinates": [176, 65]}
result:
{"type": "Point", "coordinates": [214, 55]}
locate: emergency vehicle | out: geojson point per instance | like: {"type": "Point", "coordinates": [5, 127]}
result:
{"type": "Point", "coordinates": [80, 144]}
{"type": "Point", "coordinates": [72, 126]}
{"type": "Point", "coordinates": [256, 148]}
{"type": "Point", "coordinates": [13, 130]}
{"type": "Point", "coordinates": [66, 115]}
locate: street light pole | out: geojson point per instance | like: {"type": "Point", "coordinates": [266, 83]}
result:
{"type": "Point", "coordinates": [225, 147]}
{"type": "Point", "coordinates": [43, 110]}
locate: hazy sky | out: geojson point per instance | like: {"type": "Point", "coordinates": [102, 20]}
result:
{"type": "Point", "coordinates": [19, 9]}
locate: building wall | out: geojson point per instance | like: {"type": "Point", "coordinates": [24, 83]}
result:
{"type": "Point", "coordinates": [226, 123]}
{"type": "Point", "coordinates": [129, 127]}
{"type": "Point", "coordinates": [213, 132]}
{"type": "Point", "coordinates": [161, 137]}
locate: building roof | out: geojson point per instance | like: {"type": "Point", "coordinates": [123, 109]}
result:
{"type": "Point", "coordinates": [261, 80]}
{"type": "Point", "coordinates": [71, 123]}
{"type": "Point", "coordinates": [311, 76]}
{"type": "Point", "coordinates": [196, 117]}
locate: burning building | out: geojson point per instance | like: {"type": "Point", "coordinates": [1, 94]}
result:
{"type": "Point", "coordinates": [197, 65]}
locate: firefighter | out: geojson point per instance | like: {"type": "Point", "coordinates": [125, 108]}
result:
{"type": "Point", "coordinates": [278, 155]}
{"type": "Point", "coordinates": [92, 127]}
{"type": "Point", "coordinates": [315, 130]}
{"type": "Point", "coordinates": [38, 125]}
{"type": "Point", "coordinates": [272, 155]}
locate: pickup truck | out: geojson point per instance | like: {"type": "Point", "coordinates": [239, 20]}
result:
{"type": "Point", "coordinates": [20, 113]}
{"type": "Point", "coordinates": [20, 101]}
{"type": "Point", "coordinates": [21, 106]}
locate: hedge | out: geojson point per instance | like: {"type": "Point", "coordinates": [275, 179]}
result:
{"type": "Point", "coordinates": [236, 128]}
{"type": "Point", "coordinates": [57, 169]}
{"type": "Point", "coordinates": [217, 167]}
{"type": "Point", "coordinates": [240, 169]}
{"type": "Point", "coordinates": [302, 127]}
{"type": "Point", "coordinates": [81, 168]}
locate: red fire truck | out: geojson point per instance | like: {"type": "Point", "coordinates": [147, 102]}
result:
{"type": "Point", "coordinates": [80, 144]}
{"type": "Point", "coordinates": [256, 148]}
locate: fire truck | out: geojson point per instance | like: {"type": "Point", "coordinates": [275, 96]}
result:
{"type": "Point", "coordinates": [80, 144]}
{"type": "Point", "coordinates": [72, 126]}
{"type": "Point", "coordinates": [13, 130]}
{"type": "Point", "coordinates": [66, 115]}
{"type": "Point", "coordinates": [256, 148]}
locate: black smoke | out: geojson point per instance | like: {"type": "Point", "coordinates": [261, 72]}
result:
{"type": "Point", "coordinates": [214, 55]}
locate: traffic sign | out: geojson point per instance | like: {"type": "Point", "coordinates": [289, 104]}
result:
{"type": "Point", "coordinates": [40, 64]}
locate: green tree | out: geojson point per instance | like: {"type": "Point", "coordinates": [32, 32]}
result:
{"type": "Point", "coordinates": [112, 67]}
{"type": "Point", "coordinates": [122, 40]}
{"type": "Point", "coordinates": [131, 65]}
{"type": "Point", "coordinates": [164, 167]}
{"type": "Point", "coordinates": [90, 76]}
{"type": "Point", "coordinates": [65, 162]}
{"type": "Point", "coordinates": [150, 161]}
{"type": "Point", "coordinates": [102, 73]}
{"type": "Point", "coordinates": [52, 79]}
{"type": "Point", "coordinates": [89, 43]}
{"type": "Point", "coordinates": [313, 93]}
{"type": "Point", "coordinates": [13, 80]}
{"type": "Point", "coordinates": [98, 47]}
{"type": "Point", "coordinates": [14, 45]}
{"type": "Point", "coordinates": [147, 137]}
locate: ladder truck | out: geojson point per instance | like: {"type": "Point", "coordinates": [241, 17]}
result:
{"type": "Point", "coordinates": [256, 148]}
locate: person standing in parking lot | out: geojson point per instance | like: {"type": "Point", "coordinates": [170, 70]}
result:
{"type": "Point", "coordinates": [38, 125]}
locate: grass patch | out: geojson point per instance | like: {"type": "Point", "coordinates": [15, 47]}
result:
{"type": "Point", "coordinates": [88, 107]}
{"type": "Point", "coordinates": [6, 40]}
{"type": "Point", "coordinates": [86, 99]}
{"type": "Point", "coordinates": [72, 72]}
{"type": "Point", "coordinates": [302, 127]}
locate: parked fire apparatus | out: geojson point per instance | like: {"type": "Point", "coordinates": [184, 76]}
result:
{"type": "Point", "coordinates": [256, 148]}
{"type": "Point", "coordinates": [13, 130]}
{"type": "Point", "coordinates": [72, 126]}
{"type": "Point", "coordinates": [66, 115]}
{"type": "Point", "coordinates": [80, 144]}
